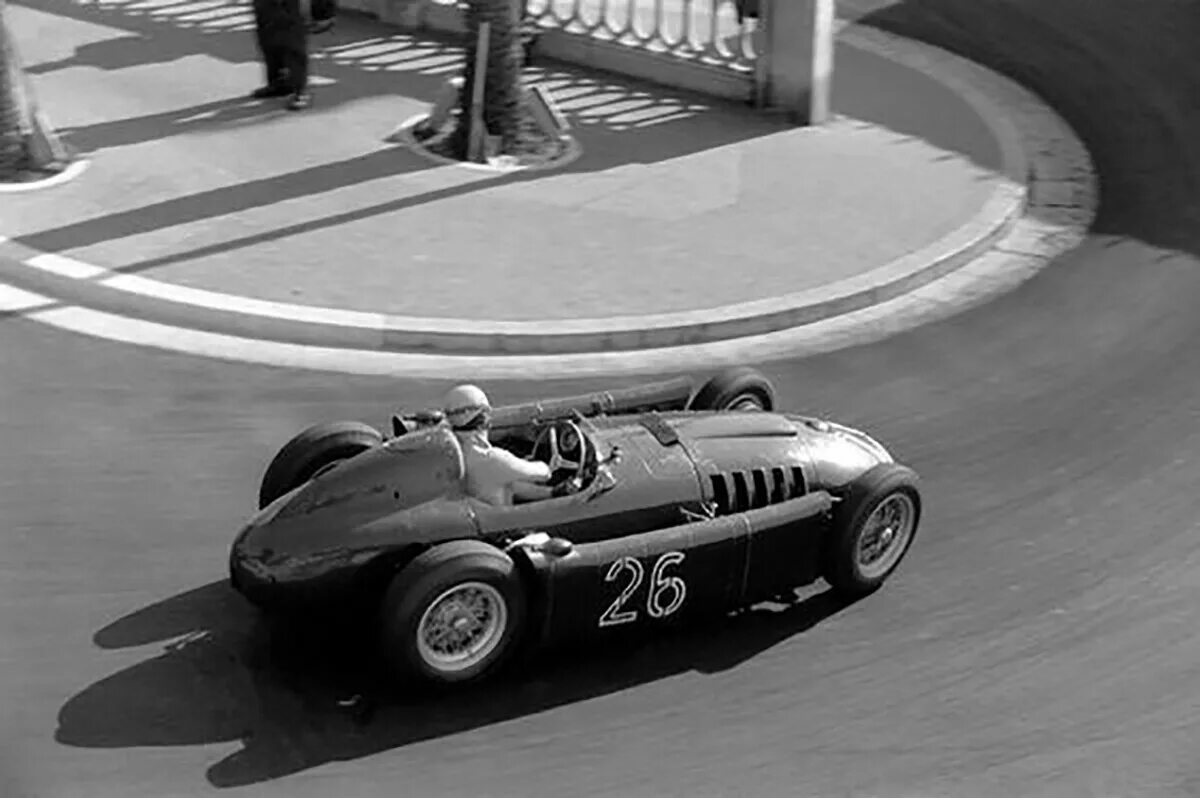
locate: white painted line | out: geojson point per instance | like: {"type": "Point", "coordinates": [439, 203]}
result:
{"type": "Point", "coordinates": [226, 347]}
{"type": "Point", "coordinates": [16, 300]}
{"type": "Point", "coordinates": [941, 299]}
{"type": "Point", "coordinates": [65, 267]}
{"type": "Point", "coordinates": [239, 304]}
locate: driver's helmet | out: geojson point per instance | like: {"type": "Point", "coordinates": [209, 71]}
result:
{"type": "Point", "coordinates": [466, 407]}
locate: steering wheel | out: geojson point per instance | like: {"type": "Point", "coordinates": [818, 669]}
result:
{"type": "Point", "coordinates": [563, 446]}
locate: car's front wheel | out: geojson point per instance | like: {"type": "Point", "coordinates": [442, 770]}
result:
{"type": "Point", "coordinates": [874, 527]}
{"type": "Point", "coordinates": [454, 614]}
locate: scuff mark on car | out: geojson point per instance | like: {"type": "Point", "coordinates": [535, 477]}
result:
{"type": "Point", "coordinates": [308, 505]}
{"type": "Point", "coordinates": [300, 567]}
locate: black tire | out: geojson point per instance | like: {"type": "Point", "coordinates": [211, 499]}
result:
{"type": "Point", "coordinates": [732, 387]}
{"type": "Point", "coordinates": [417, 587]}
{"type": "Point", "coordinates": [312, 450]}
{"type": "Point", "coordinates": [843, 570]}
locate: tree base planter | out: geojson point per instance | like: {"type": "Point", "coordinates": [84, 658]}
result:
{"type": "Point", "coordinates": [32, 155]}
{"type": "Point", "coordinates": [485, 118]}
{"type": "Point", "coordinates": [34, 179]}
{"type": "Point", "coordinates": [535, 149]}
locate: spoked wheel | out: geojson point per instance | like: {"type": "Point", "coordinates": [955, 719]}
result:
{"type": "Point", "coordinates": [886, 535]}
{"type": "Point", "coordinates": [874, 527]}
{"type": "Point", "coordinates": [454, 614]}
{"type": "Point", "coordinates": [462, 627]}
{"type": "Point", "coordinates": [749, 403]}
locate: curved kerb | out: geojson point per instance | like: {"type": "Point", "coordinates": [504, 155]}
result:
{"type": "Point", "coordinates": [1002, 238]}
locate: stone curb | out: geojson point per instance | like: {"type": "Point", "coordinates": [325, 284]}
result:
{"type": "Point", "coordinates": [1043, 207]}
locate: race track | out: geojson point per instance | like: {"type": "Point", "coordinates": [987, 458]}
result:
{"type": "Point", "coordinates": [1041, 639]}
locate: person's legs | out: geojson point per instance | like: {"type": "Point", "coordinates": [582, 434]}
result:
{"type": "Point", "coordinates": [266, 24]}
{"type": "Point", "coordinates": [294, 41]}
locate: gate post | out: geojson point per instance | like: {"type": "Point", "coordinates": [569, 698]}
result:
{"type": "Point", "coordinates": [797, 58]}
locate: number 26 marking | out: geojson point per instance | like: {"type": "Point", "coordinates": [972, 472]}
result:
{"type": "Point", "coordinates": [661, 586]}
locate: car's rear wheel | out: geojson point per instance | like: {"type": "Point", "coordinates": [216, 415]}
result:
{"type": "Point", "coordinates": [874, 527]}
{"type": "Point", "coordinates": [741, 388]}
{"type": "Point", "coordinates": [454, 614]}
{"type": "Point", "coordinates": [313, 449]}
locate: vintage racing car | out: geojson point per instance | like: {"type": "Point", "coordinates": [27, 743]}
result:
{"type": "Point", "coordinates": [689, 502]}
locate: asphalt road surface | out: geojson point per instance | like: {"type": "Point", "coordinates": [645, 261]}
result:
{"type": "Point", "coordinates": [1041, 639]}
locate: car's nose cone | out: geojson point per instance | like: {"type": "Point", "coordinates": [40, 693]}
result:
{"type": "Point", "coordinates": [874, 447]}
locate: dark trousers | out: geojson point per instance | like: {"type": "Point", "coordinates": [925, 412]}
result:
{"type": "Point", "coordinates": [323, 9]}
{"type": "Point", "coordinates": [283, 41]}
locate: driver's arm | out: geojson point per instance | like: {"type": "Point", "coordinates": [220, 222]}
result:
{"type": "Point", "coordinates": [529, 492]}
{"type": "Point", "coordinates": [522, 470]}
{"type": "Point", "coordinates": [528, 477]}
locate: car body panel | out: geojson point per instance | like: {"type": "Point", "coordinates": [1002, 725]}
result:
{"type": "Point", "coordinates": [738, 475]}
{"type": "Point", "coordinates": [404, 484]}
{"type": "Point", "coordinates": [662, 396]}
{"type": "Point", "coordinates": [669, 576]}
{"type": "Point", "coordinates": [840, 453]}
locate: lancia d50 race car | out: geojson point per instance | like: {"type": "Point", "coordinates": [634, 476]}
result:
{"type": "Point", "coordinates": [687, 503]}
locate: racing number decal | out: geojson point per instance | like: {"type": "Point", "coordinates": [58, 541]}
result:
{"type": "Point", "coordinates": [662, 587]}
{"type": "Point", "coordinates": [669, 585]}
{"type": "Point", "coordinates": [613, 615]}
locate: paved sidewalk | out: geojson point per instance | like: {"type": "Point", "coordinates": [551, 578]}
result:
{"type": "Point", "coordinates": [678, 204]}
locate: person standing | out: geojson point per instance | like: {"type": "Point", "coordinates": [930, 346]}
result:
{"type": "Point", "coordinates": [282, 34]}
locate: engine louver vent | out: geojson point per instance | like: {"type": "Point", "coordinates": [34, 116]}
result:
{"type": "Point", "coordinates": [779, 486]}
{"type": "Point", "coordinates": [761, 498]}
{"type": "Point", "coordinates": [736, 491]}
{"type": "Point", "coordinates": [741, 491]}
{"type": "Point", "coordinates": [721, 494]}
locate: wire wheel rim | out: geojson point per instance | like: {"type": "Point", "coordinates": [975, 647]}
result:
{"type": "Point", "coordinates": [747, 402]}
{"type": "Point", "coordinates": [885, 535]}
{"type": "Point", "coordinates": [462, 627]}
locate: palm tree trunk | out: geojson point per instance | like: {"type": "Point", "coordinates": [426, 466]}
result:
{"type": "Point", "coordinates": [503, 87]}
{"type": "Point", "coordinates": [14, 117]}
{"type": "Point", "coordinates": [19, 123]}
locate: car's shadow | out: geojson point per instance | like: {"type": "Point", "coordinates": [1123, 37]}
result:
{"type": "Point", "coordinates": [298, 700]}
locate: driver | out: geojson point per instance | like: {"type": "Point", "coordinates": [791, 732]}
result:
{"type": "Point", "coordinates": [493, 475]}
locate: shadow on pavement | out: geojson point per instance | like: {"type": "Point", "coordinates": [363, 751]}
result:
{"type": "Point", "coordinates": [297, 701]}
{"type": "Point", "coordinates": [163, 34]}
{"type": "Point", "coordinates": [267, 236]}
{"type": "Point", "coordinates": [238, 109]}
{"type": "Point", "coordinates": [227, 200]}
{"type": "Point", "coordinates": [120, 53]}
